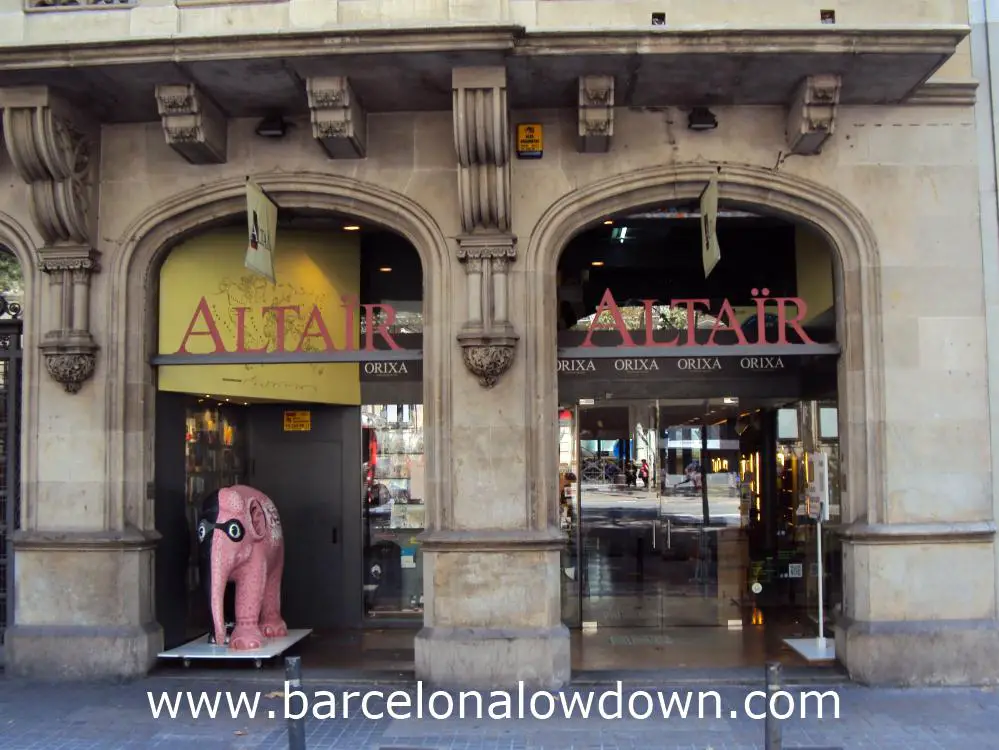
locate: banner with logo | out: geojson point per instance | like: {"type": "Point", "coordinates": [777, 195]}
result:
{"type": "Point", "coordinates": [261, 225]}
{"type": "Point", "coordinates": [710, 251]}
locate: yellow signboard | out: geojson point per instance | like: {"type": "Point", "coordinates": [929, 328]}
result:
{"type": "Point", "coordinates": [211, 304]}
{"type": "Point", "coordinates": [530, 141]}
{"type": "Point", "coordinates": [298, 421]}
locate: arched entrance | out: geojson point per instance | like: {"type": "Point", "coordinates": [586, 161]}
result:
{"type": "Point", "coordinates": [379, 237]}
{"type": "Point", "coordinates": [746, 189]}
{"type": "Point", "coordinates": [16, 277]}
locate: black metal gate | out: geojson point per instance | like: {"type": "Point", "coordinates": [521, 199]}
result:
{"type": "Point", "coordinates": [11, 327]}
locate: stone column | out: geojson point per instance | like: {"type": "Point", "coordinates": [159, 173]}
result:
{"type": "Point", "coordinates": [491, 561]}
{"type": "Point", "coordinates": [83, 574]}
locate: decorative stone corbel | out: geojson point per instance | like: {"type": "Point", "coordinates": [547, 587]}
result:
{"type": "Point", "coordinates": [488, 339]}
{"type": "Point", "coordinates": [194, 127]}
{"type": "Point", "coordinates": [596, 114]}
{"type": "Point", "coordinates": [56, 151]}
{"type": "Point", "coordinates": [482, 142]}
{"type": "Point", "coordinates": [339, 122]}
{"type": "Point", "coordinates": [811, 116]}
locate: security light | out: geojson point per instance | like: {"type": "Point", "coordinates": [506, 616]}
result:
{"type": "Point", "coordinates": [701, 118]}
{"type": "Point", "coordinates": [273, 126]}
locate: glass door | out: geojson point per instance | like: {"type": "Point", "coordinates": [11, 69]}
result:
{"type": "Point", "coordinates": [660, 535]}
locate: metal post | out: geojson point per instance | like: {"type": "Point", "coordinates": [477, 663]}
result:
{"type": "Point", "coordinates": [293, 681]}
{"type": "Point", "coordinates": [772, 724]}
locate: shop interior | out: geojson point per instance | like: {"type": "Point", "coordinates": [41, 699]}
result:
{"type": "Point", "coordinates": [346, 472]}
{"type": "Point", "coordinates": [690, 541]}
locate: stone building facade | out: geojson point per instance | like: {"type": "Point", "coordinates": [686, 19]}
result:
{"type": "Point", "coordinates": [142, 130]}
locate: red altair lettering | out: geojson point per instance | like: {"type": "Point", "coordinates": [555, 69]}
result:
{"type": "Point", "coordinates": [691, 305]}
{"type": "Point", "coordinates": [783, 322]}
{"type": "Point", "coordinates": [280, 319]}
{"type": "Point", "coordinates": [733, 325]}
{"type": "Point", "coordinates": [650, 327]}
{"type": "Point", "coordinates": [607, 304]}
{"type": "Point", "coordinates": [203, 311]}
{"type": "Point", "coordinates": [241, 333]}
{"type": "Point", "coordinates": [322, 332]}
{"type": "Point", "coordinates": [372, 328]}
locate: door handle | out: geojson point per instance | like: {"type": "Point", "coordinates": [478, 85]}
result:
{"type": "Point", "coordinates": [334, 535]}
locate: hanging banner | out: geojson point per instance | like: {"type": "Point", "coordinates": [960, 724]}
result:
{"type": "Point", "coordinates": [261, 222]}
{"type": "Point", "coordinates": [710, 251]}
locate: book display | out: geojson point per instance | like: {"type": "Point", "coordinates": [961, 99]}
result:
{"type": "Point", "coordinates": [394, 510]}
{"type": "Point", "coordinates": [214, 457]}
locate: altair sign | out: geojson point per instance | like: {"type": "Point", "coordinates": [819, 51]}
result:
{"type": "Point", "coordinates": [725, 320]}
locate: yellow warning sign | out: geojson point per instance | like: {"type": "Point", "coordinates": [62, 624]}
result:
{"type": "Point", "coordinates": [530, 141]}
{"type": "Point", "coordinates": [298, 421]}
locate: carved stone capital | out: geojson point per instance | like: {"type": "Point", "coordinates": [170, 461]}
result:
{"type": "Point", "coordinates": [487, 247]}
{"type": "Point", "coordinates": [54, 149]}
{"type": "Point", "coordinates": [596, 114]}
{"type": "Point", "coordinates": [193, 125]}
{"type": "Point", "coordinates": [482, 143]}
{"type": "Point", "coordinates": [69, 258]}
{"type": "Point", "coordinates": [811, 115]}
{"type": "Point", "coordinates": [339, 122]}
{"type": "Point", "coordinates": [488, 355]}
{"type": "Point", "coordinates": [69, 349]}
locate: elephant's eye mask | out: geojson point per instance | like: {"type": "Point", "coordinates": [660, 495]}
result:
{"type": "Point", "coordinates": [232, 529]}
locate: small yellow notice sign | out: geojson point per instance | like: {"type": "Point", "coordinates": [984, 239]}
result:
{"type": "Point", "coordinates": [530, 141]}
{"type": "Point", "coordinates": [298, 421]}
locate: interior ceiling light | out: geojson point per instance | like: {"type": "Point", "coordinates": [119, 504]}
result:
{"type": "Point", "coordinates": [597, 263]}
{"type": "Point", "coordinates": [701, 118]}
{"type": "Point", "coordinates": [385, 269]}
{"type": "Point", "coordinates": [351, 228]}
{"type": "Point", "coordinates": [608, 222]}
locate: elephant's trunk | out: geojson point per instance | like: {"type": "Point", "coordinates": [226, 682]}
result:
{"type": "Point", "coordinates": [220, 579]}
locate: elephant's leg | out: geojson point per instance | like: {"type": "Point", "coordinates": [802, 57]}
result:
{"type": "Point", "coordinates": [249, 596]}
{"type": "Point", "coordinates": [270, 616]}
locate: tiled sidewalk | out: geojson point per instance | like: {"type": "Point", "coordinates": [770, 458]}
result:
{"type": "Point", "coordinates": [111, 716]}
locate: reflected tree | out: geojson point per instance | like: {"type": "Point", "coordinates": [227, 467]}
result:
{"type": "Point", "coordinates": [11, 278]}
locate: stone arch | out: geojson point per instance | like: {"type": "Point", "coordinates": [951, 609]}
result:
{"type": "Point", "coordinates": [132, 328]}
{"type": "Point", "coordinates": [858, 305]}
{"type": "Point", "coordinates": [17, 240]}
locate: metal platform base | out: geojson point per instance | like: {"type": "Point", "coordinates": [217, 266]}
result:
{"type": "Point", "coordinates": [813, 649]}
{"type": "Point", "coordinates": [200, 648]}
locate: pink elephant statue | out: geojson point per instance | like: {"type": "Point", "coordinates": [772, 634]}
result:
{"type": "Point", "coordinates": [246, 547]}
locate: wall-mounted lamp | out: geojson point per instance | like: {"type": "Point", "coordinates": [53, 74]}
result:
{"type": "Point", "coordinates": [273, 126]}
{"type": "Point", "coordinates": [701, 118]}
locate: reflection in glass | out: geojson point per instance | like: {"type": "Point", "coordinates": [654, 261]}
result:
{"type": "Point", "coordinates": [719, 535]}
{"type": "Point", "coordinates": [393, 509]}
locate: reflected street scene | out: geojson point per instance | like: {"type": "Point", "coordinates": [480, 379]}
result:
{"type": "Point", "coordinates": [686, 512]}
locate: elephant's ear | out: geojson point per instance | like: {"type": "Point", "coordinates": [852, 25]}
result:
{"type": "Point", "coordinates": [258, 520]}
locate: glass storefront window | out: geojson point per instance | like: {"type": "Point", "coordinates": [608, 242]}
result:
{"type": "Point", "coordinates": [393, 509]}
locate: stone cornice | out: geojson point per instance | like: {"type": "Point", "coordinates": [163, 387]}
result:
{"type": "Point", "coordinates": [84, 541]}
{"type": "Point", "coordinates": [945, 94]}
{"type": "Point", "coordinates": [909, 533]}
{"type": "Point", "coordinates": [939, 39]}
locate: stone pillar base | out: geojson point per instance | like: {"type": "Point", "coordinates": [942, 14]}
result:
{"type": "Point", "coordinates": [920, 652]}
{"type": "Point", "coordinates": [68, 653]}
{"type": "Point", "coordinates": [496, 659]}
